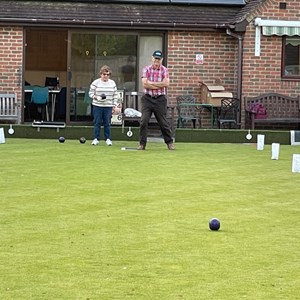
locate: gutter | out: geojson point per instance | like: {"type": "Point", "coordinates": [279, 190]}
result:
{"type": "Point", "coordinates": [115, 24]}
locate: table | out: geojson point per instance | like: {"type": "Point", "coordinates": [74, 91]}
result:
{"type": "Point", "coordinates": [208, 106]}
{"type": "Point", "coordinates": [52, 94]}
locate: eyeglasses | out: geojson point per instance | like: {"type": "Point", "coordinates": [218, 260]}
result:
{"type": "Point", "coordinates": [106, 74]}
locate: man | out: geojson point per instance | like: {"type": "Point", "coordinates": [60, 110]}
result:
{"type": "Point", "coordinates": [155, 80]}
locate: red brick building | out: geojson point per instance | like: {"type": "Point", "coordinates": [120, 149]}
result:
{"type": "Point", "coordinates": [251, 46]}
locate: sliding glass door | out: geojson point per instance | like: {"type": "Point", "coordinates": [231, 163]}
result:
{"type": "Point", "coordinates": [88, 53]}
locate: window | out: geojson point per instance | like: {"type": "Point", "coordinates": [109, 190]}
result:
{"type": "Point", "coordinates": [90, 51]}
{"type": "Point", "coordinates": [291, 57]}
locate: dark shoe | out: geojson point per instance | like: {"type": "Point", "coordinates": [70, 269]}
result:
{"type": "Point", "coordinates": [141, 147]}
{"type": "Point", "coordinates": [171, 146]}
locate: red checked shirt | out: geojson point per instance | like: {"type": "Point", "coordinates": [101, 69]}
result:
{"type": "Point", "coordinates": [155, 75]}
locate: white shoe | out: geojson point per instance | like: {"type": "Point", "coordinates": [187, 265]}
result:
{"type": "Point", "coordinates": [108, 142]}
{"type": "Point", "coordinates": [95, 142]}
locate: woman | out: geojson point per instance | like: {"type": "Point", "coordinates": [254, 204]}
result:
{"type": "Point", "coordinates": [103, 91]}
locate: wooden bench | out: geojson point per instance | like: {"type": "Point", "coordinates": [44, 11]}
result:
{"type": "Point", "coordinates": [9, 108]}
{"type": "Point", "coordinates": [280, 110]}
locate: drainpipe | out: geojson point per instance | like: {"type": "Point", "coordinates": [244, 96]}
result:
{"type": "Point", "coordinates": [240, 61]}
{"type": "Point", "coordinates": [240, 67]}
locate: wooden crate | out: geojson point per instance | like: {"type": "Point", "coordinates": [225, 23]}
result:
{"type": "Point", "coordinates": [214, 98]}
{"type": "Point", "coordinates": [212, 94]}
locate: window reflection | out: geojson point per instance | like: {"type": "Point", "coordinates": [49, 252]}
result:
{"type": "Point", "coordinates": [292, 57]}
{"type": "Point", "coordinates": [89, 53]}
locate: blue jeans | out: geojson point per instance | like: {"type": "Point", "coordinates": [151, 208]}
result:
{"type": "Point", "coordinates": [102, 116]}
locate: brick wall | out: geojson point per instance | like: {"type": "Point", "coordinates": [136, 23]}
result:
{"type": "Point", "coordinates": [220, 62]}
{"type": "Point", "coordinates": [263, 74]}
{"type": "Point", "coordinates": [11, 56]}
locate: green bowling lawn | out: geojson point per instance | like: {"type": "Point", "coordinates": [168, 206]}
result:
{"type": "Point", "coordinates": [95, 222]}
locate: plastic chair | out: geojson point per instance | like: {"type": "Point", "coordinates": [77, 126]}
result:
{"type": "Point", "coordinates": [229, 113]}
{"type": "Point", "coordinates": [40, 98]}
{"type": "Point", "coordinates": [52, 82]}
{"type": "Point", "coordinates": [186, 111]}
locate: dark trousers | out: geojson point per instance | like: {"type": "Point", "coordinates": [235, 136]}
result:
{"type": "Point", "coordinates": [158, 106]}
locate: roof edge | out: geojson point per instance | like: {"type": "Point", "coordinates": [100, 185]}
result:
{"type": "Point", "coordinates": [115, 24]}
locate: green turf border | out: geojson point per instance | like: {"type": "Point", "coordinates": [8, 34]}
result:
{"type": "Point", "coordinates": [230, 136]}
{"type": "Point", "coordinates": [184, 135]}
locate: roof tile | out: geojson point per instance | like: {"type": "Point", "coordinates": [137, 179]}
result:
{"type": "Point", "coordinates": [108, 14]}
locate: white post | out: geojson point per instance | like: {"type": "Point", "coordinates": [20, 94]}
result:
{"type": "Point", "coordinates": [2, 137]}
{"type": "Point", "coordinates": [275, 150]}
{"type": "Point", "coordinates": [296, 163]}
{"type": "Point", "coordinates": [260, 142]}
